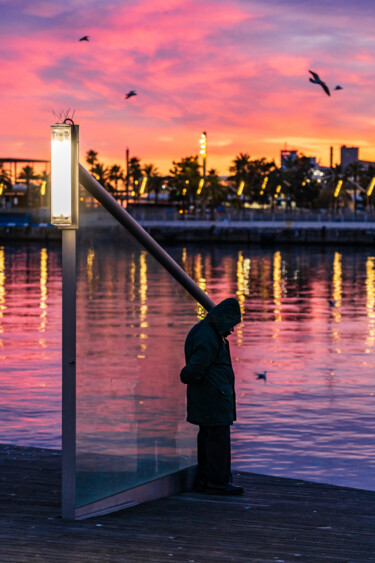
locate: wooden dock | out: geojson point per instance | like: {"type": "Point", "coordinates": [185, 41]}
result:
{"type": "Point", "coordinates": [277, 520]}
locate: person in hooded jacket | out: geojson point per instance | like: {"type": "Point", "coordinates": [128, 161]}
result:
{"type": "Point", "coordinates": [211, 400]}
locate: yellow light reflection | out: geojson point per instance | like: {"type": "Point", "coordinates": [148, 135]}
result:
{"type": "Point", "coordinates": [277, 286]}
{"type": "Point", "coordinates": [201, 281]}
{"type": "Point", "coordinates": [132, 277]}
{"type": "Point", "coordinates": [143, 290]}
{"type": "Point", "coordinates": [183, 257]}
{"type": "Point", "coordinates": [337, 286]}
{"type": "Point", "coordinates": [43, 294]}
{"type": "Point", "coordinates": [2, 289]}
{"type": "Point", "coordinates": [143, 287]}
{"type": "Point", "coordinates": [370, 303]}
{"type": "Point", "coordinates": [89, 270]}
{"type": "Point", "coordinates": [243, 268]}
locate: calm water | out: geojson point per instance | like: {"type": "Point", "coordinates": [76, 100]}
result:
{"type": "Point", "coordinates": [313, 418]}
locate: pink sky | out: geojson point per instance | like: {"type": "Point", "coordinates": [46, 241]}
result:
{"type": "Point", "coordinates": [236, 69]}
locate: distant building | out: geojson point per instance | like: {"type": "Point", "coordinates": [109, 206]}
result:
{"type": "Point", "coordinates": [348, 156]}
{"type": "Point", "coordinates": [286, 157]}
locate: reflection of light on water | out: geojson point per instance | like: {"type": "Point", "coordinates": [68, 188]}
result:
{"type": "Point", "coordinates": [337, 295]}
{"type": "Point", "coordinates": [370, 302]}
{"type": "Point", "coordinates": [89, 269]}
{"type": "Point", "coordinates": [143, 299]}
{"type": "Point", "coordinates": [43, 293]}
{"type": "Point", "coordinates": [277, 286]}
{"type": "Point", "coordinates": [183, 257]}
{"type": "Point", "coordinates": [337, 286]}
{"type": "Point", "coordinates": [201, 281]}
{"type": "Point", "coordinates": [243, 269]}
{"type": "Point", "coordinates": [132, 277]}
{"type": "Point", "coordinates": [2, 289]}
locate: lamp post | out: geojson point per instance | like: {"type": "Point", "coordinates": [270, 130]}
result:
{"type": "Point", "coordinates": [64, 214]}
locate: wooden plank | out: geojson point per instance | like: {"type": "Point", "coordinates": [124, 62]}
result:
{"type": "Point", "coordinates": [275, 520]}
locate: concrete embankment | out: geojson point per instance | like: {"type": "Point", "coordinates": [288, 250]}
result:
{"type": "Point", "coordinates": [186, 231]}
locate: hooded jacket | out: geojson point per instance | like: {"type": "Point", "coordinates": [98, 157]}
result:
{"type": "Point", "coordinates": [208, 372]}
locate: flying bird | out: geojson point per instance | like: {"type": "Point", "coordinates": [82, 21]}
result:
{"type": "Point", "coordinates": [84, 38]}
{"type": "Point", "coordinates": [332, 302]}
{"type": "Point", "coordinates": [338, 87]}
{"type": "Point", "coordinates": [130, 94]}
{"type": "Point", "coordinates": [316, 80]}
{"type": "Point", "coordinates": [262, 375]}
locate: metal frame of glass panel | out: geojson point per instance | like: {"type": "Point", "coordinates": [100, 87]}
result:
{"type": "Point", "coordinates": [166, 485]}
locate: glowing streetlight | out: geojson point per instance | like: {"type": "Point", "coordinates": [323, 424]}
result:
{"type": "Point", "coordinates": [240, 188]}
{"type": "Point", "coordinates": [142, 189]}
{"type": "Point", "coordinates": [338, 188]}
{"type": "Point", "coordinates": [370, 187]}
{"type": "Point", "coordinates": [264, 184]}
{"type": "Point", "coordinates": [200, 187]}
{"type": "Point", "coordinates": [64, 175]}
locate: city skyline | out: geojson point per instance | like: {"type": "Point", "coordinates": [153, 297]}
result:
{"type": "Point", "coordinates": [238, 70]}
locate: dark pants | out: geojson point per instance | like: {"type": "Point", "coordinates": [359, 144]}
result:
{"type": "Point", "coordinates": [214, 455]}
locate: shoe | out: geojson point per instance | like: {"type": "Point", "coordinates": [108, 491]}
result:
{"type": "Point", "coordinates": [229, 489]}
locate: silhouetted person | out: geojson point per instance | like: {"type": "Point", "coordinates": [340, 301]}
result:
{"type": "Point", "coordinates": [211, 401]}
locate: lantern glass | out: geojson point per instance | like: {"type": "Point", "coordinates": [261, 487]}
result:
{"type": "Point", "coordinates": [62, 175]}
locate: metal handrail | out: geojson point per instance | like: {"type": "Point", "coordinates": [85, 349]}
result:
{"type": "Point", "coordinates": [143, 237]}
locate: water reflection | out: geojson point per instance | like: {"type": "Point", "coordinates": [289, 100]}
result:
{"type": "Point", "coordinates": [2, 289]}
{"type": "Point", "coordinates": [370, 303]}
{"type": "Point", "coordinates": [314, 417]}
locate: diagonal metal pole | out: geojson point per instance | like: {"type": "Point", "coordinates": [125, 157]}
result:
{"type": "Point", "coordinates": [143, 237]}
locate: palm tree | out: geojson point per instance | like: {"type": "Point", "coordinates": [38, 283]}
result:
{"type": "Point", "coordinates": [115, 174]}
{"type": "Point", "coordinates": [252, 172]}
{"type": "Point", "coordinates": [213, 193]}
{"type": "Point", "coordinates": [185, 178]}
{"type": "Point", "coordinates": [27, 173]}
{"type": "Point", "coordinates": [154, 180]}
{"type": "Point", "coordinates": [100, 172]}
{"type": "Point", "coordinates": [91, 158]}
{"type": "Point", "coordinates": [5, 177]}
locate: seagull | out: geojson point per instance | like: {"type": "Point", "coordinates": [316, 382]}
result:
{"type": "Point", "coordinates": [338, 87]}
{"type": "Point", "coordinates": [130, 94]}
{"type": "Point", "coordinates": [84, 38]}
{"type": "Point", "coordinates": [317, 80]}
{"type": "Point", "coordinates": [262, 375]}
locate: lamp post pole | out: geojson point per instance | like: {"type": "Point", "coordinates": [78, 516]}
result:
{"type": "Point", "coordinates": [64, 214]}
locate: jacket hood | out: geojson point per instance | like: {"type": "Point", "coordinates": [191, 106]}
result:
{"type": "Point", "coordinates": [225, 315]}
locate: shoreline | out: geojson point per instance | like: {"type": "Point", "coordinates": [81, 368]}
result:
{"type": "Point", "coordinates": [188, 231]}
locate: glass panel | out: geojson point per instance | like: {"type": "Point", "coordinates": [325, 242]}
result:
{"type": "Point", "coordinates": [132, 321]}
